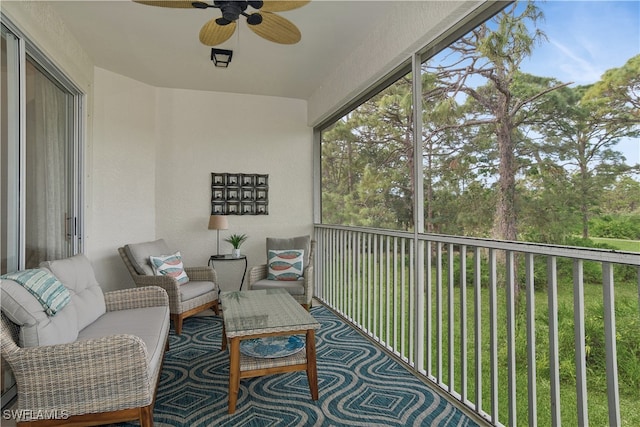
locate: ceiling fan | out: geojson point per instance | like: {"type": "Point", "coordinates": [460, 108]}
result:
{"type": "Point", "coordinates": [261, 20]}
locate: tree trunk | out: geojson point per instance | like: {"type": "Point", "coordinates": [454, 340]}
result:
{"type": "Point", "coordinates": [504, 224]}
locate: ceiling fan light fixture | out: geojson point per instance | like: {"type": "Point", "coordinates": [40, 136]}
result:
{"type": "Point", "coordinates": [221, 57]}
{"type": "Point", "coordinates": [256, 4]}
{"type": "Point", "coordinates": [254, 19]}
{"type": "Point", "coordinates": [223, 22]}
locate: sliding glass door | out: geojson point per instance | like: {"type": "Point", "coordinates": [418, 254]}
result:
{"type": "Point", "coordinates": [49, 219]}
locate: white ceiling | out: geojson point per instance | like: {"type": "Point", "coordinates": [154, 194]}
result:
{"type": "Point", "coordinates": [159, 46]}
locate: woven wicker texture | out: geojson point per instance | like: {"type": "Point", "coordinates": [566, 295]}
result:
{"type": "Point", "coordinates": [248, 363]}
{"type": "Point", "coordinates": [91, 376]}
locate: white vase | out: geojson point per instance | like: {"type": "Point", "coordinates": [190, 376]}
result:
{"type": "Point", "coordinates": [236, 253]}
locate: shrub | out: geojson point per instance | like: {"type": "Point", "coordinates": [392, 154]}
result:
{"type": "Point", "coordinates": [616, 227]}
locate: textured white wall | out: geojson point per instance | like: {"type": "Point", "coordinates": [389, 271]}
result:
{"type": "Point", "coordinates": [42, 26]}
{"type": "Point", "coordinates": [204, 132]}
{"type": "Point", "coordinates": [124, 167]}
{"type": "Point", "coordinates": [410, 26]}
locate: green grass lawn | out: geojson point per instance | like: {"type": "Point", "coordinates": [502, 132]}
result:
{"type": "Point", "coordinates": [620, 244]}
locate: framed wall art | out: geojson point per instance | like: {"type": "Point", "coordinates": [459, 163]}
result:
{"type": "Point", "coordinates": [239, 194]}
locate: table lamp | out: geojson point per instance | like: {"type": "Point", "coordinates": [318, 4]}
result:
{"type": "Point", "coordinates": [218, 222]}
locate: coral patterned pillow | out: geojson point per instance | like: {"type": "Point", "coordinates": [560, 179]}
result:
{"type": "Point", "coordinates": [169, 265]}
{"type": "Point", "coordinates": [285, 264]}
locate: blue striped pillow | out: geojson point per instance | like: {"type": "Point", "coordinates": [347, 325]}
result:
{"type": "Point", "coordinates": [46, 287]}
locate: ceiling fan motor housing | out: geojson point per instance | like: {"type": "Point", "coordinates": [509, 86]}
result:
{"type": "Point", "coordinates": [274, 27]}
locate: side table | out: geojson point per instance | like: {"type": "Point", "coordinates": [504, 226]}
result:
{"type": "Point", "coordinates": [228, 257]}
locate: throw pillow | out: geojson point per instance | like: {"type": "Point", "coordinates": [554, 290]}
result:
{"type": "Point", "coordinates": [285, 264]}
{"type": "Point", "coordinates": [46, 287]}
{"type": "Point", "coordinates": [169, 265]}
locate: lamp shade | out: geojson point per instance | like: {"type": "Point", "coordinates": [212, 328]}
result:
{"type": "Point", "coordinates": [218, 222]}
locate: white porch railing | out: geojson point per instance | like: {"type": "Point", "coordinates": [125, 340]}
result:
{"type": "Point", "coordinates": [447, 306]}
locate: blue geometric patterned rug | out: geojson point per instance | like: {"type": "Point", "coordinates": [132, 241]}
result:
{"type": "Point", "coordinates": [358, 384]}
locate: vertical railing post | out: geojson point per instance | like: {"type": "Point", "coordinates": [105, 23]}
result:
{"type": "Point", "coordinates": [580, 356]}
{"type": "Point", "coordinates": [419, 304]}
{"type": "Point", "coordinates": [554, 364]}
{"type": "Point", "coordinates": [477, 308]}
{"type": "Point", "coordinates": [375, 304]}
{"type": "Point", "coordinates": [394, 300]}
{"type": "Point", "coordinates": [610, 344]}
{"type": "Point", "coordinates": [511, 337]}
{"type": "Point", "coordinates": [463, 323]}
{"type": "Point", "coordinates": [429, 314]}
{"type": "Point", "coordinates": [493, 333]}
{"type": "Point", "coordinates": [439, 311]}
{"type": "Point", "coordinates": [531, 340]}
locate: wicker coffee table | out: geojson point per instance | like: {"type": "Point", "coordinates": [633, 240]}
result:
{"type": "Point", "coordinates": [266, 313]}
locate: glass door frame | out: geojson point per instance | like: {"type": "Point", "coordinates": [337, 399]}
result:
{"type": "Point", "coordinates": [28, 51]}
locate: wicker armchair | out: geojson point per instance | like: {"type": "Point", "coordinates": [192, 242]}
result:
{"type": "Point", "coordinates": [199, 294]}
{"type": "Point", "coordinates": [88, 382]}
{"type": "Point", "coordinates": [301, 290]}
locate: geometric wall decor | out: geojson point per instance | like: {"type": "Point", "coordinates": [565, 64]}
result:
{"type": "Point", "coordinates": [239, 194]}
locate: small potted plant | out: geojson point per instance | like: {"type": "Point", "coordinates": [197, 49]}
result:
{"type": "Point", "coordinates": [236, 240]}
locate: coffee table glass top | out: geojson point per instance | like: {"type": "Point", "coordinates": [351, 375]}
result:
{"type": "Point", "coordinates": [263, 311]}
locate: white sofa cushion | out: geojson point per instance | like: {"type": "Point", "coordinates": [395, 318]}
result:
{"type": "Point", "coordinates": [141, 322]}
{"type": "Point", "coordinates": [36, 327]}
{"type": "Point", "coordinates": [77, 275]}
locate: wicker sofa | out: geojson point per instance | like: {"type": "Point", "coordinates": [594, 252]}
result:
{"type": "Point", "coordinates": [97, 360]}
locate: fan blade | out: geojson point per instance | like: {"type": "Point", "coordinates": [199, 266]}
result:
{"type": "Point", "coordinates": [277, 29]}
{"type": "Point", "coordinates": [282, 6]}
{"type": "Point", "coordinates": [178, 4]}
{"type": "Point", "coordinates": [212, 33]}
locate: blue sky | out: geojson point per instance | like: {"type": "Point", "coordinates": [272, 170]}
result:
{"type": "Point", "coordinates": [586, 38]}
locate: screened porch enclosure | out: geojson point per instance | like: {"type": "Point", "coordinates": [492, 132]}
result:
{"type": "Point", "coordinates": [512, 331]}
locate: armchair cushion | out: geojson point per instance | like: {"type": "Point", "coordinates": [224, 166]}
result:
{"type": "Point", "coordinates": [195, 289]}
{"type": "Point", "coordinates": [139, 254]}
{"type": "Point", "coordinates": [77, 275]}
{"type": "Point", "coordinates": [169, 265]}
